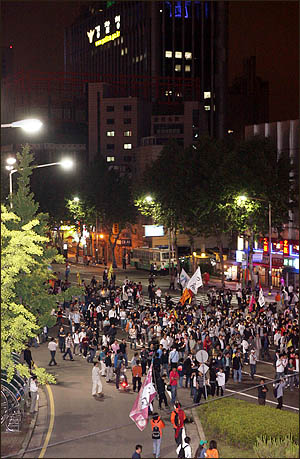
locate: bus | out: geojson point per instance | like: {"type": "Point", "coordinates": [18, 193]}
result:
{"type": "Point", "coordinates": [143, 258]}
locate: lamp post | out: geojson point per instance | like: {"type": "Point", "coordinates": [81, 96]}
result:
{"type": "Point", "coordinates": [65, 163]}
{"type": "Point", "coordinates": [244, 198]}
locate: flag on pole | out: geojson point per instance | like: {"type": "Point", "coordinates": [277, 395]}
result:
{"type": "Point", "coordinates": [110, 271]}
{"type": "Point", "coordinates": [185, 296]}
{"type": "Point", "coordinates": [183, 278]}
{"type": "Point", "coordinates": [251, 303]}
{"type": "Point", "coordinates": [195, 281]}
{"type": "Point", "coordinates": [261, 298]}
{"type": "Point", "coordinates": [139, 412]}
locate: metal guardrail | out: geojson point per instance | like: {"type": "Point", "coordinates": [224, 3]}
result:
{"type": "Point", "coordinates": [14, 395]}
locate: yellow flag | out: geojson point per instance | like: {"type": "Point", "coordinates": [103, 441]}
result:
{"type": "Point", "coordinates": [290, 343]}
{"type": "Point", "coordinates": [110, 271]}
{"type": "Point", "coordinates": [78, 278]}
{"type": "Point", "coordinates": [186, 295]}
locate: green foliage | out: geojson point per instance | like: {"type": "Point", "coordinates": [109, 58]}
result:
{"type": "Point", "coordinates": [276, 447]}
{"type": "Point", "coordinates": [241, 422]}
{"type": "Point", "coordinates": [18, 258]}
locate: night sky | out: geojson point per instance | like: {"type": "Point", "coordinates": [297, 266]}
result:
{"type": "Point", "coordinates": [267, 29]}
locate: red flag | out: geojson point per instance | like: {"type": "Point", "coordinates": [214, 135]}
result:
{"type": "Point", "coordinates": [139, 412]}
{"type": "Point", "coordinates": [251, 303]}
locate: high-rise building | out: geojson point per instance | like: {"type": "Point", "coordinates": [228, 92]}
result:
{"type": "Point", "coordinates": [161, 51]}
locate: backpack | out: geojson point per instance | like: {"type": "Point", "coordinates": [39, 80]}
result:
{"type": "Point", "coordinates": [181, 453]}
{"type": "Point", "coordinates": [176, 420]}
{"type": "Point", "coordinates": [155, 433]}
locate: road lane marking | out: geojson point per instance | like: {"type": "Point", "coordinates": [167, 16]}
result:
{"type": "Point", "coordinates": [51, 423]}
{"type": "Point", "coordinates": [267, 401]}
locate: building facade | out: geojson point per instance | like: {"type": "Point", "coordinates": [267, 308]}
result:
{"type": "Point", "coordinates": [161, 51]}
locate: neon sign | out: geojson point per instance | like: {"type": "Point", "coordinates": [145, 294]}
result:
{"type": "Point", "coordinates": [266, 245]}
{"type": "Point", "coordinates": [96, 32]}
{"type": "Point", "coordinates": [286, 247]}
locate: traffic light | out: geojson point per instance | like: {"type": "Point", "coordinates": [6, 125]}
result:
{"type": "Point", "coordinates": [116, 228]}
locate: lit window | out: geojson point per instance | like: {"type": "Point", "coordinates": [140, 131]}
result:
{"type": "Point", "coordinates": [126, 50]}
{"type": "Point", "coordinates": [127, 133]}
{"type": "Point", "coordinates": [177, 68]}
{"type": "Point", "coordinates": [110, 133]}
{"type": "Point", "coordinates": [141, 57]}
{"type": "Point", "coordinates": [187, 68]}
{"type": "Point", "coordinates": [207, 94]}
{"type": "Point", "coordinates": [137, 59]}
{"type": "Point", "coordinates": [168, 53]}
{"type": "Point", "coordinates": [178, 54]}
{"type": "Point", "coordinates": [188, 55]}
{"type": "Point", "coordinates": [110, 159]}
{"type": "Point", "coordinates": [206, 107]}
{"type": "Point", "coordinates": [122, 39]}
{"type": "Point", "coordinates": [127, 146]}
{"type": "Point", "coordinates": [122, 52]}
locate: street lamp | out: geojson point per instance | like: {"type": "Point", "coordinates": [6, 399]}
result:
{"type": "Point", "coordinates": [29, 125]}
{"type": "Point", "coordinates": [148, 199]}
{"type": "Point", "coordinates": [244, 198]}
{"type": "Point", "coordinates": [64, 163]}
{"type": "Point", "coordinates": [76, 199]}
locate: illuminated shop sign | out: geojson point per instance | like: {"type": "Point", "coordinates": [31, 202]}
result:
{"type": "Point", "coordinates": [294, 249]}
{"type": "Point", "coordinates": [94, 35]}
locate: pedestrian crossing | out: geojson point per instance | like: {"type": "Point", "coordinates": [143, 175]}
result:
{"type": "Point", "coordinates": [201, 297]}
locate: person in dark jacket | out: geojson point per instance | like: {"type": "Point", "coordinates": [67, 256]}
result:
{"type": "Point", "coordinates": [212, 379]}
{"type": "Point", "coordinates": [28, 357]}
{"type": "Point", "coordinates": [237, 367]}
{"type": "Point", "coordinates": [112, 333]}
{"type": "Point", "coordinates": [265, 344]}
{"type": "Point", "coordinates": [262, 392]}
{"type": "Point", "coordinates": [187, 369]}
{"type": "Point", "coordinates": [161, 387]}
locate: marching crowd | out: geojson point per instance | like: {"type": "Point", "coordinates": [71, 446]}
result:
{"type": "Point", "coordinates": [169, 335]}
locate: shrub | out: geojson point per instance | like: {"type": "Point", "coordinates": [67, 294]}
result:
{"type": "Point", "coordinates": [276, 447]}
{"type": "Point", "coordinates": [241, 423]}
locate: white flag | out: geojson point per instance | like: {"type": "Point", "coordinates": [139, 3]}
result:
{"type": "Point", "coordinates": [261, 298]}
{"type": "Point", "coordinates": [195, 281]}
{"type": "Point", "coordinates": [183, 278]}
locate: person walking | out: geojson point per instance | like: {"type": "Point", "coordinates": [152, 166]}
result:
{"type": "Point", "coordinates": [237, 367]}
{"type": "Point", "coordinates": [157, 424]}
{"type": "Point", "coordinates": [69, 345]}
{"type": "Point", "coordinates": [136, 376]}
{"type": "Point", "coordinates": [221, 382]}
{"type": "Point", "coordinates": [252, 361]}
{"type": "Point", "coordinates": [61, 339]}
{"type": "Point", "coordinates": [161, 386]}
{"type": "Point", "coordinates": [28, 357]}
{"type": "Point", "coordinates": [108, 367]}
{"type": "Point", "coordinates": [96, 381]}
{"type": "Point", "coordinates": [184, 450]}
{"type": "Point", "coordinates": [262, 392]}
{"type": "Point", "coordinates": [278, 392]}
{"type": "Point", "coordinates": [33, 387]}
{"type": "Point", "coordinates": [52, 346]}
{"type": "Point", "coordinates": [174, 378]}
{"type": "Point", "coordinates": [137, 453]}
{"type": "Point", "coordinates": [177, 419]}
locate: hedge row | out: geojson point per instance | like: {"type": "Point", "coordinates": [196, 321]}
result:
{"type": "Point", "coordinates": [240, 422]}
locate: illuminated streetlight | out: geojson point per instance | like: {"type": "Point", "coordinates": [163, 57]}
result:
{"type": "Point", "coordinates": [29, 125]}
{"type": "Point", "coordinates": [65, 163]}
{"type": "Point", "coordinates": [76, 199]}
{"type": "Point", "coordinates": [11, 160]}
{"type": "Point", "coordinates": [148, 199]}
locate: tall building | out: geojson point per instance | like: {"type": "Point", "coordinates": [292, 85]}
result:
{"type": "Point", "coordinates": [161, 51]}
{"type": "Point", "coordinates": [248, 99]}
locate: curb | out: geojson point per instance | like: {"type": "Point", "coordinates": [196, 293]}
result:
{"type": "Point", "coordinates": [198, 424]}
{"type": "Point", "coordinates": [28, 437]}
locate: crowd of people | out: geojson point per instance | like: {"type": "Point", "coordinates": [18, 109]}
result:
{"type": "Point", "coordinates": [169, 334]}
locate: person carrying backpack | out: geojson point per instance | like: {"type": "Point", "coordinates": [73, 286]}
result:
{"type": "Point", "coordinates": [184, 450]}
{"type": "Point", "coordinates": [177, 419]}
{"type": "Point", "coordinates": [157, 424]}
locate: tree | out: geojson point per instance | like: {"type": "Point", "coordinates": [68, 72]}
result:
{"type": "Point", "coordinates": [108, 195]}
{"type": "Point", "coordinates": [26, 258]}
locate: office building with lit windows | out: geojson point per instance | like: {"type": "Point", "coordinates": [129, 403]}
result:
{"type": "Point", "coordinates": [165, 52]}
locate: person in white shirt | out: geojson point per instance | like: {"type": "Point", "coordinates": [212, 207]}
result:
{"type": "Point", "coordinates": [52, 346]}
{"type": "Point", "coordinates": [221, 382]}
{"type": "Point", "coordinates": [164, 342]}
{"type": "Point", "coordinates": [82, 334]}
{"type": "Point", "coordinates": [96, 381]}
{"type": "Point", "coordinates": [279, 368]}
{"type": "Point", "coordinates": [277, 337]}
{"type": "Point", "coordinates": [187, 448]}
{"type": "Point", "coordinates": [158, 294]}
{"type": "Point", "coordinates": [33, 387]}
{"type": "Point", "coordinates": [76, 341]}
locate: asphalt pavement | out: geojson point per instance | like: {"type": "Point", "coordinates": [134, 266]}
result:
{"type": "Point", "coordinates": [84, 427]}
